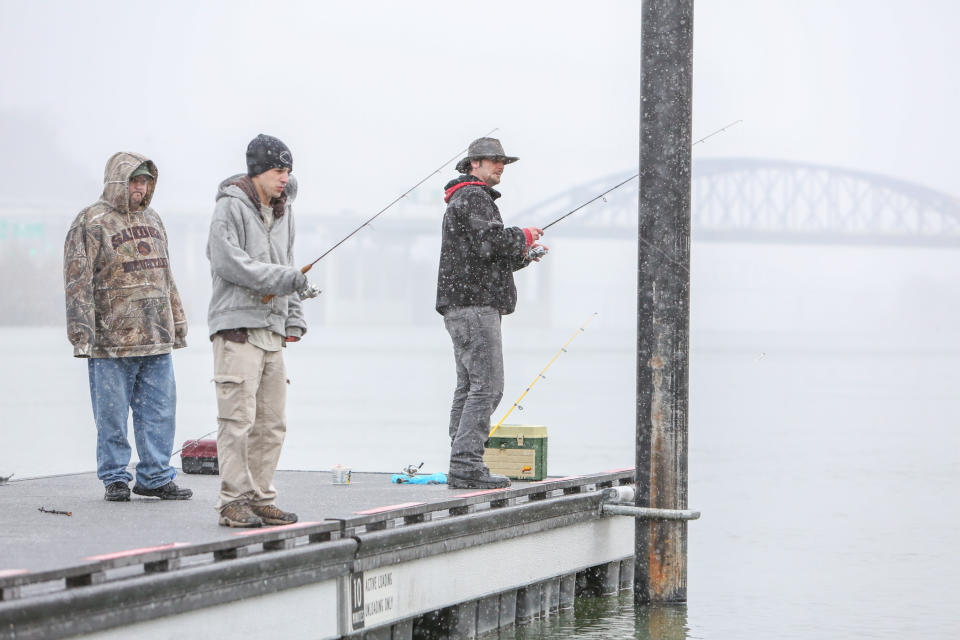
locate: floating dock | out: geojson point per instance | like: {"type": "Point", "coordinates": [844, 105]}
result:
{"type": "Point", "coordinates": [371, 559]}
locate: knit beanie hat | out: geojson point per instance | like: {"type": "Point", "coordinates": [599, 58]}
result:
{"type": "Point", "coordinates": [266, 152]}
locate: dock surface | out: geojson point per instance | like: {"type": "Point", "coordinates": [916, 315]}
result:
{"type": "Point", "coordinates": [35, 541]}
{"type": "Point", "coordinates": [372, 559]}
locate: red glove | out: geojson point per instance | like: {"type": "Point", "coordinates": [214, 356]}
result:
{"type": "Point", "coordinates": [532, 234]}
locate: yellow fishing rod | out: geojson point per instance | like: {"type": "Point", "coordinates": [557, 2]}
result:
{"type": "Point", "coordinates": [540, 375]}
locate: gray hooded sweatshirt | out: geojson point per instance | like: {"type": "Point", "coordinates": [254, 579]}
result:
{"type": "Point", "coordinates": [248, 262]}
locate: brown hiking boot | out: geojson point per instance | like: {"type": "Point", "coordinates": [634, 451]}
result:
{"type": "Point", "coordinates": [270, 514]}
{"type": "Point", "coordinates": [238, 514]}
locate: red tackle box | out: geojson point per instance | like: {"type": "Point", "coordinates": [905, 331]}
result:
{"type": "Point", "coordinates": [200, 456]}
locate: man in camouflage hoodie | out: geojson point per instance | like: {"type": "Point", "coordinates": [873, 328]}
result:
{"type": "Point", "coordinates": [124, 315]}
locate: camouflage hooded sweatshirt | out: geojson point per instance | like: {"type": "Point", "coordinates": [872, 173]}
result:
{"type": "Point", "coordinates": [121, 298]}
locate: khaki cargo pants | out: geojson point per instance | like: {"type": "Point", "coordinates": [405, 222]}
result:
{"type": "Point", "coordinates": [251, 400]}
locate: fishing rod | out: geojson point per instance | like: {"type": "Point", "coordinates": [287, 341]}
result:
{"type": "Point", "coordinates": [270, 297]}
{"type": "Point", "coordinates": [617, 186]}
{"type": "Point", "coordinates": [563, 349]}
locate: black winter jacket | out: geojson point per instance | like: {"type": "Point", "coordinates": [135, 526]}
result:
{"type": "Point", "coordinates": [477, 254]}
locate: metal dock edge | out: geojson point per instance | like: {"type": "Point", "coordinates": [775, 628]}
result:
{"type": "Point", "coordinates": [467, 565]}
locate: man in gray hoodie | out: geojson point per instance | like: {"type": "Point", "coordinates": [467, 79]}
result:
{"type": "Point", "coordinates": [250, 249]}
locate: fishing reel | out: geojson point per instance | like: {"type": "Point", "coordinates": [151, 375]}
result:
{"type": "Point", "coordinates": [411, 470]}
{"type": "Point", "coordinates": [536, 252]}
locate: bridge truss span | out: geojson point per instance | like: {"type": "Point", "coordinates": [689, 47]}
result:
{"type": "Point", "coordinates": [762, 200]}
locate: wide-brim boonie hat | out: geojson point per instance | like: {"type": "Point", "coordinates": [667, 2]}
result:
{"type": "Point", "coordinates": [484, 148]}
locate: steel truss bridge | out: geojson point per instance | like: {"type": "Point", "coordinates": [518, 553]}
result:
{"type": "Point", "coordinates": [733, 200]}
{"type": "Point", "coordinates": [760, 200]}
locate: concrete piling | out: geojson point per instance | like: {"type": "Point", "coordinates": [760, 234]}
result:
{"type": "Point", "coordinates": [626, 574]}
{"type": "Point", "coordinates": [402, 630]}
{"type": "Point", "coordinates": [488, 615]}
{"type": "Point", "coordinates": [568, 590]}
{"type": "Point", "coordinates": [550, 597]}
{"type": "Point", "coordinates": [463, 621]}
{"type": "Point", "coordinates": [528, 603]}
{"type": "Point", "coordinates": [508, 609]}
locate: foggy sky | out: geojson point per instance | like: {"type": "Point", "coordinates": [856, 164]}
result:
{"type": "Point", "coordinates": [371, 96]}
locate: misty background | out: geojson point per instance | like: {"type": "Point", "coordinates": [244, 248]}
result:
{"type": "Point", "coordinates": [823, 443]}
{"type": "Point", "coordinates": [373, 96]}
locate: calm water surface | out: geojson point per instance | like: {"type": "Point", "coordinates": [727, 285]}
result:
{"type": "Point", "coordinates": [827, 476]}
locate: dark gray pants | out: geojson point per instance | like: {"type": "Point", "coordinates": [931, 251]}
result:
{"type": "Point", "coordinates": [478, 351]}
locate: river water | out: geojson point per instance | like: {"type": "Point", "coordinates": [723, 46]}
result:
{"type": "Point", "coordinates": [825, 469]}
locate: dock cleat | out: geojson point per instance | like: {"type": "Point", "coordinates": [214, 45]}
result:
{"type": "Point", "coordinates": [239, 514]}
{"type": "Point", "coordinates": [271, 514]}
{"type": "Point", "coordinates": [117, 492]}
{"type": "Point", "coordinates": [169, 491]}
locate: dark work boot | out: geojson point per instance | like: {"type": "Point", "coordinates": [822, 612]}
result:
{"type": "Point", "coordinates": [169, 491]}
{"type": "Point", "coordinates": [482, 479]}
{"type": "Point", "coordinates": [117, 492]}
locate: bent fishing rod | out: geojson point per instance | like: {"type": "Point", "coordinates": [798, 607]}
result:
{"type": "Point", "coordinates": [617, 186]}
{"type": "Point", "coordinates": [563, 349]}
{"type": "Point", "coordinates": [268, 298]}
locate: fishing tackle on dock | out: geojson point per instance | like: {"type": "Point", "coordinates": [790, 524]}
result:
{"type": "Point", "coordinates": [403, 195]}
{"type": "Point", "coordinates": [563, 349]}
{"type": "Point", "coordinates": [617, 186]}
{"type": "Point", "coordinates": [190, 444]}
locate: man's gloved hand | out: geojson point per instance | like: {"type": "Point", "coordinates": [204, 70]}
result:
{"type": "Point", "coordinates": [532, 234]}
{"type": "Point", "coordinates": [309, 291]}
{"type": "Point", "coordinates": [536, 252]}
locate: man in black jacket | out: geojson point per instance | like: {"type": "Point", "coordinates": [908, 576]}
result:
{"type": "Point", "coordinates": [474, 289]}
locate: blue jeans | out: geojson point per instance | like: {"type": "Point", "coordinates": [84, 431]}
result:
{"type": "Point", "coordinates": [146, 385]}
{"type": "Point", "coordinates": [478, 351]}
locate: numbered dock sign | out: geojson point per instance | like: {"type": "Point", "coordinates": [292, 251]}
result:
{"type": "Point", "coordinates": [373, 597]}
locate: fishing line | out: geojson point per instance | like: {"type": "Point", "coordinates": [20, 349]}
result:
{"type": "Point", "coordinates": [563, 349]}
{"type": "Point", "coordinates": [403, 195]}
{"type": "Point", "coordinates": [618, 185]}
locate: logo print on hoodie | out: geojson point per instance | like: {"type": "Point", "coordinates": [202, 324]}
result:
{"type": "Point", "coordinates": [143, 248]}
{"type": "Point", "coordinates": [134, 233]}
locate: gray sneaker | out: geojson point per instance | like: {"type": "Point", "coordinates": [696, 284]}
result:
{"type": "Point", "coordinates": [477, 480]}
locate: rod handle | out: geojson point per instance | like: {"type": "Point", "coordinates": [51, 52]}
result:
{"type": "Point", "coordinates": [267, 298]}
